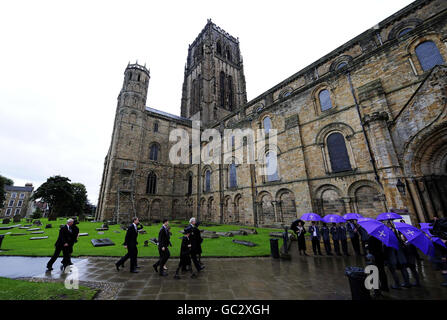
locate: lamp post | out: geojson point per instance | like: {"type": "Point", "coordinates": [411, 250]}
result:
{"type": "Point", "coordinates": [400, 186]}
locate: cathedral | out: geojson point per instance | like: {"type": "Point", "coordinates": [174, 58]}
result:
{"type": "Point", "coordinates": [362, 129]}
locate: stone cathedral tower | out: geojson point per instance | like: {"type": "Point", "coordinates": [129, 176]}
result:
{"type": "Point", "coordinates": [214, 83]}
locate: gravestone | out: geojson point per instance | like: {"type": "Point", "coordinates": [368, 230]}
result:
{"type": "Point", "coordinates": [38, 238]}
{"type": "Point", "coordinates": [102, 229]}
{"type": "Point", "coordinates": [37, 223]}
{"type": "Point", "coordinates": [48, 226]}
{"type": "Point", "coordinates": [83, 234]}
{"type": "Point", "coordinates": [276, 234]}
{"type": "Point", "coordinates": [37, 232]}
{"type": "Point", "coordinates": [105, 226]}
{"type": "Point", "coordinates": [29, 220]}
{"type": "Point", "coordinates": [101, 232]}
{"type": "Point", "coordinates": [209, 235]}
{"type": "Point", "coordinates": [23, 227]}
{"type": "Point", "coordinates": [34, 229]}
{"type": "Point", "coordinates": [6, 228]}
{"type": "Point", "coordinates": [6, 221]}
{"type": "Point", "coordinates": [154, 241]}
{"type": "Point", "coordinates": [146, 243]}
{"type": "Point", "coordinates": [116, 231]}
{"type": "Point", "coordinates": [207, 231]}
{"type": "Point", "coordinates": [18, 234]}
{"type": "Point", "coordinates": [142, 231]}
{"type": "Point", "coordinates": [28, 225]}
{"type": "Point", "coordinates": [249, 231]}
{"type": "Point", "coordinates": [239, 233]}
{"type": "Point", "coordinates": [102, 242]}
{"type": "Point", "coordinates": [123, 227]}
{"type": "Point", "coordinates": [224, 234]}
{"type": "Point", "coordinates": [245, 243]}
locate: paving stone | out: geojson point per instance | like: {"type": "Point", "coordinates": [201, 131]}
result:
{"type": "Point", "coordinates": [171, 296]}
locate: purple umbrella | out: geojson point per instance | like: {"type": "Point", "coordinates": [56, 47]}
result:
{"type": "Point", "coordinates": [380, 231]}
{"type": "Point", "coordinates": [365, 219]}
{"type": "Point", "coordinates": [333, 218]}
{"type": "Point", "coordinates": [433, 238]}
{"type": "Point", "coordinates": [416, 237]}
{"type": "Point", "coordinates": [388, 216]}
{"type": "Point", "coordinates": [352, 216]}
{"type": "Point", "coordinates": [310, 217]}
{"type": "Point", "coordinates": [425, 227]}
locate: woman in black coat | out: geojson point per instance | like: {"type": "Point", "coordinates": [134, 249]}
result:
{"type": "Point", "coordinates": [300, 232]}
{"type": "Point", "coordinates": [396, 260]}
{"type": "Point", "coordinates": [410, 252]}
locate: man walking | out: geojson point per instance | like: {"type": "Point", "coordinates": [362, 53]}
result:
{"type": "Point", "coordinates": [63, 243]}
{"type": "Point", "coordinates": [185, 253]}
{"type": "Point", "coordinates": [163, 250]}
{"type": "Point", "coordinates": [315, 238]}
{"type": "Point", "coordinates": [326, 239]}
{"type": "Point", "coordinates": [130, 243]}
{"type": "Point", "coordinates": [196, 244]}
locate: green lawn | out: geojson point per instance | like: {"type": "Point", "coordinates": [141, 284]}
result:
{"type": "Point", "coordinates": [24, 290]}
{"type": "Point", "coordinates": [221, 247]}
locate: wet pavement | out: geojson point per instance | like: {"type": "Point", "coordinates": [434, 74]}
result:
{"type": "Point", "coordinates": [320, 278]}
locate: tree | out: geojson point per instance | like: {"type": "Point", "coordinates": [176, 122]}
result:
{"type": "Point", "coordinates": [58, 192]}
{"type": "Point", "coordinates": [4, 182]}
{"type": "Point", "coordinates": [80, 202]}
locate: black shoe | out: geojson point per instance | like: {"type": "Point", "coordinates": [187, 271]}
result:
{"type": "Point", "coordinates": [138, 267]}
{"type": "Point", "coordinates": [155, 267]}
{"type": "Point", "coordinates": [117, 267]}
{"type": "Point", "coordinates": [134, 271]}
{"type": "Point", "coordinates": [163, 274]}
{"type": "Point", "coordinates": [416, 284]}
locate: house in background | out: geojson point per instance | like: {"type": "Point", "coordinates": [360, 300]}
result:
{"type": "Point", "coordinates": [17, 200]}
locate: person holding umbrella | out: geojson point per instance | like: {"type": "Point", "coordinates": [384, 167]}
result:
{"type": "Point", "coordinates": [298, 227]}
{"type": "Point", "coordinates": [410, 252]}
{"type": "Point", "coordinates": [335, 238]}
{"type": "Point", "coordinates": [375, 247]}
{"type": "Point", "coordinates": [364, 237]}
{"type": "Point", "coordinates": [343, 239]}
{"type": "Point", "coordinates": [326, 239]}
{"type": "Point", "coordinates": [314, 231]}
{"type": "Point", "coordinates": [354, 236]}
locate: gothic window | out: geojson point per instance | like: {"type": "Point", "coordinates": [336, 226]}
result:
{"type": "Point", "coordinates": [189, 184]}
{"type": "Point", "coordinates": [341, 65]}
{"type": "Point", "coordinates": [232, 175]}
{"type": "Point", "coordinates": [222, 89]}
{"type": "Point", "coordinates": [404, 31]}
{"type": "Point", "coordinates": [325, 100]}
{"type": "Point", "coordinates": [154, 151]}
{"type": "Point", "coordinates": [207, 181]}
{"type": "Point", "coordinates": [218, 48]}
{"type": "Point", "coordinates": [230, 93]}
{"type": "Point", "coordinates": [156, 127]}
{"type": "Point", "coordinates": [151, 183]}
{"type": "Point", "coordinates": [197, 92]}
{"type": "Point", "coordinates": [428, 55]}
{"type": "Point", "coordinates": [272, 166]}
{"type": "Point", "coordinates": [193, 96]}
{"type": "Point", "coordinates": [267, 125]}
{"type": "Point", "coordinates": [338, 154]}
{"type": "Point", "coordinates": [139, 77]}
{"type": "Point", "coordinates": [228, 54]}
{"type": "Point", "coordinates": [130, 75]}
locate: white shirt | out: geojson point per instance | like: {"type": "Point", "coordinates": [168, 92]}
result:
{"type": "Point", "coordinates": [315, 231]}
{"type": "Point", "coordinates": [135, 227]}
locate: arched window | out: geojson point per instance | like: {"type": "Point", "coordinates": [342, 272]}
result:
{"type": "Point", "coordinates": [130, 76]}
{"type": "Point", "coordinates": [232, 176]}
{"type": "Point", "coordinates": [193, 97]}
{"type": "Point", "coordinates": [207, 181]}
{"type": "Point", "coordinates": [228, 53]}
{"type": "Point", "coordinates": [338, 153]}
{"type": "Point", "coordinates": [222, 89]}
{"type": "Point", "coordinates": [139, 77]}
{"type": "Point", "coordinates": [151, 183]}
{"type": "Point", "coordinates": [218, 48]}
{"type": "Point", "coordinates": [267, 125]}
{"type": "Point", "coordinates": [156, 127]}
{"type": "Point", "coordinates": [230, 93]}
{"type": "Point", "coordinates": [404, 31]}
{"type": "Point", "coordinates": [272, 166]}
{"type": "Point", "coordinates": [325, 100]}
{"type": "Point", "coordinates": [341, 65]}
{"type": "Point", "coordinates": [189, 184]}
{"type": "Point", "coordinates": [428, 55]}
{"type": "Point", "coordinates": [154, 151]}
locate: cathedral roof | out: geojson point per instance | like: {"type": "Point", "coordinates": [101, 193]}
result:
{"type": "Point", "coordinates": [166, 114]}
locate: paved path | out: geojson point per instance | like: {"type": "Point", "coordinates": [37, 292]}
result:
{"type": "Point", "coordinates": [243, 278]}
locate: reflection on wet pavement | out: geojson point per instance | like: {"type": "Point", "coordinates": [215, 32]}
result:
{"type": "Point", "coordinates": [309, 277]}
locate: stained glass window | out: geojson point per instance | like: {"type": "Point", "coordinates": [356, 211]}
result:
{"type": "Point", "coordinates": [325, 100]}
{"type": "Point", "coordinates": [338, 153]}
{"type": "Point", "coordinates": [428, 55]}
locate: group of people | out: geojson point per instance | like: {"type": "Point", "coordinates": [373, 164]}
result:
{"type": "Point", "coordinates": [190, 250]}
{"type": "Point", "coordinates": [337, 231]}
{"type": "Point", "coordinates": [68, 236]}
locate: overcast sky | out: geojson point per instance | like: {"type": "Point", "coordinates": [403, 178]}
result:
{"type": "Point", "coordinates": [62, 64]}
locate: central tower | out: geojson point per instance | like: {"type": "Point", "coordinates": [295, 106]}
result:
{"type": "Point", "coordinates": [214, 83]}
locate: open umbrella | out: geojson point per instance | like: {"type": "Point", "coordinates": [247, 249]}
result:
{"type": "Point", "coordinates": [333, 218]}
{"type": "Point", "coordinates": [388, 216]}
{"type": "Point", "coordinates": [352, 216]}
{"type": "Point", "coordinates": [426, 226]}
{"type": "Point", "coordinates": [432, 237]}
{"type": "Point", "coordinates": [310, 217]}
{"type": "Point", "coordinates": [416, 237]}
{"type": "Point", "coordinates": [380, 231]}
{"type": "Point", "coordinates": [365, 219]}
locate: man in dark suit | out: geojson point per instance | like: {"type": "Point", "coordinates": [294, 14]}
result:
{"type": "Point", "coordinates": [335, 239]}
{"type": "Point", "coordinates": [63, 243]}
{"type": "Point", "coordinates": [343, 238]}
{"type": "Point", "coordinates": [315, 238]}
{"type": "Point", "coordinates": [326, 239]}
{"type": "Point", "coordinates": [196, 244]}
{"type": "Point", "coordinates": [185, 253]}
{"type": "Point", "coordinates": [163, 243]}
{"type": "Point", "coordinates": [130, 243]}
{"type": "Point", "coordinates": [354, 236]}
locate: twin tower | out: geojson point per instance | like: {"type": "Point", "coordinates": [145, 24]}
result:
{"type": "Point", "coordinates": [214, 81]}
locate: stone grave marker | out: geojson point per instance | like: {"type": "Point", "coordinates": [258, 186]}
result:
{"type": "Point", "coordinates": [249, 230]}
{"type": "Point", "coordinates": [6, 228]}
{"type": "Point", "coordinates": [245, 243]}
{"type": "Point", "coordinates": [38, 238]}
{"type": "Point", "coordinates": [116, 231]}
{"type": "Point", "coordinates": [101, 232]}
{"type": "Point", "coordinates": [154, 241]}
{"type": "Point", "coordinates": [142, 231]}
{"type": "Point", "coordinates": [83, 234]}
{"type": "Point", "coordinates": [28, 225]}
{"type": "Point", "coordinates": [18, 234]}
{"type": "Point", "coordinates": [23, 227]}
{"type": "Point", "coordinates": [102, 242]}
{"type": "Point", "coordinates": [225, 234]}
{"type": "Point", "coordinates": [209, 235]}
{"type": "Point", "coordinates": [239, 233]}
{"type": "Point", "coordinates": [102, 229]}
{"type": "Point", "coordinates": [37, 223]}
{"type": "Point", "coordinates": [34, 229]}
{"type": "Point", "coordinates": [48, 226]}
{"type": "Point", "coordinates": [37, 232]}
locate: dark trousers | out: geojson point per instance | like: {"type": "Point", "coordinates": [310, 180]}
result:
{"type": "Point", "coordinates": [356, 244]}
{"type": "Point", "coordinates": [195, 261]}
{"type": "Point", "coordinates": [164, 256]}
{"type": "Point", "coordinates": [344, 246]}
{"type": "Point", "coordinates": [383, 280]}
{"type": "Point", "coordinates": [336, 246]}
{"type": "Point", "coordinates": [57, 251]}
{"type": "Point", "coordinates": [316, 245]}
{"type": "Point", "coordinates": [364, 247]}
{"type": "Point", "coordinates": [327, 246]}
{"type": "Point", "coordinates": [404, 272]}
{"type": "Point", "coordinates": [132, 254]}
